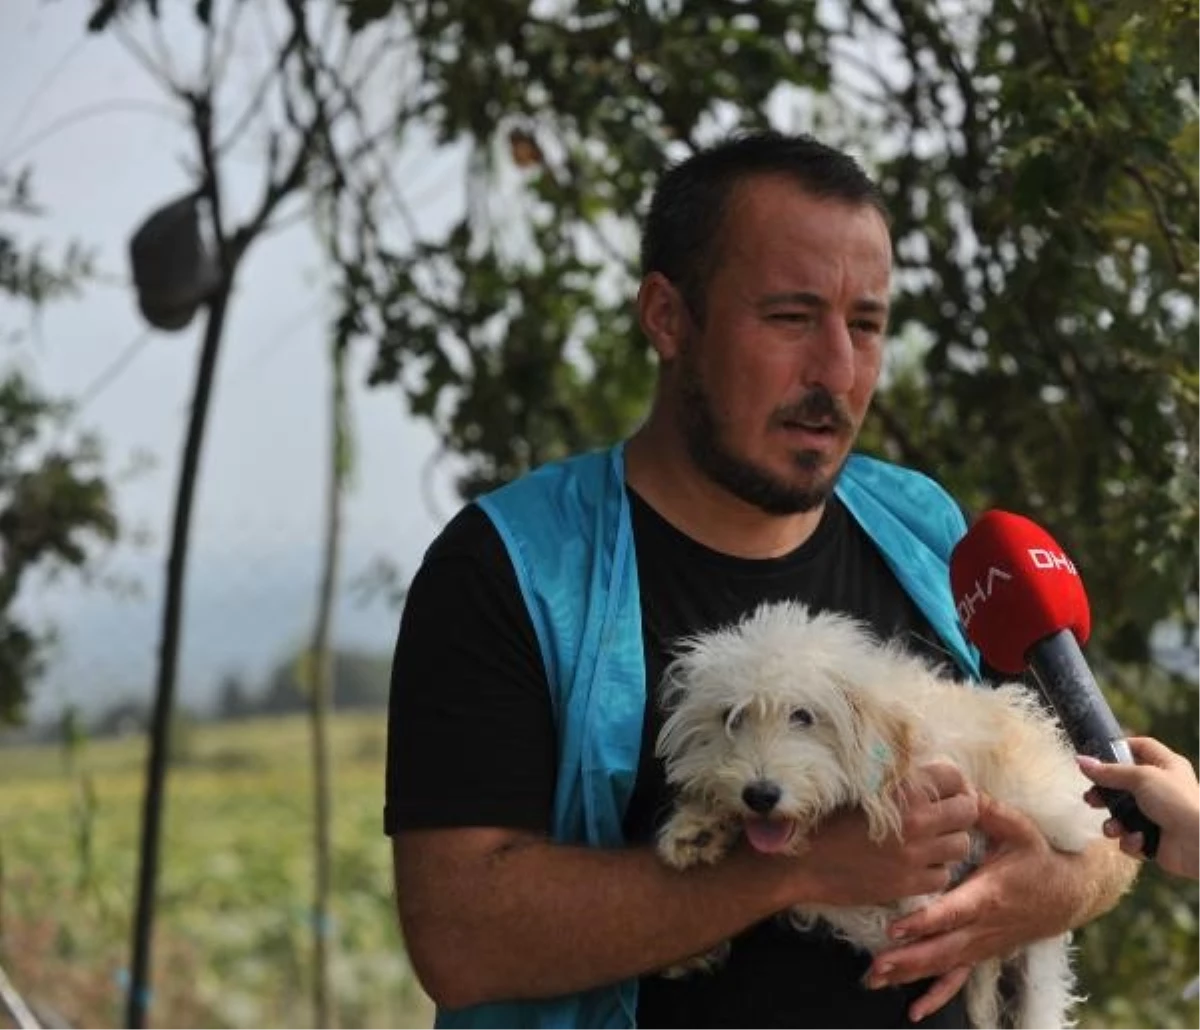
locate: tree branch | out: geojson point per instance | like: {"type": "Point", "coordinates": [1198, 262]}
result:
{"type": "Point", "coordinates": [259, 94]}
{"type": "Point", "coordinates": [202, 114]}
{"type": "Point", "coordinates": [1160, 217]}
{"type": "Point", "coordinates": [1056, 51]}
{"type": "Point", "coordinates": [147, 62]}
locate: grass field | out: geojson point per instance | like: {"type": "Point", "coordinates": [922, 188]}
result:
{"type": "Point", "coordinates": [233, 940]}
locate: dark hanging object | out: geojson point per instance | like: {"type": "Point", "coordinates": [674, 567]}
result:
{"type": "Point", "coordinates": [174, 270]}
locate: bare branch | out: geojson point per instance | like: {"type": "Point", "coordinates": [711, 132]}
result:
{"type": "Point", "coordinates": [208, 63]}
{"type": "Point", "coordinates": [1160, 217]}
{"type": "Point", "coordinates": [259, 94]}
{"type": "Point", "coordinates": [165, 58]}
{"type": "Point", "coordinates": [202, 122]}
{"type": "Point", "coordinates": [278, 188]}
{"type": "Point", "coordinates": [369, 144]}
{"type": "Point", "coordinates": [46, 82]}
{"type": "Point", "coordinates": [1183, 179]}
{"type": "Point", "coordinates": [160, 75]}
{"type": "Point", "coordinates": [301, 214]}
{"type": "Point", "coordinates": [919, 27]}
{"type": "Point", "coordinates": [1056, 51]}
{"type": "Point", "coordinates": [224, 50]}
{"type": "Point", "coordinates": [83, 114]}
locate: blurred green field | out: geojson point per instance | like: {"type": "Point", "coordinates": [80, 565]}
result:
{"type": "Point", "coordinates": [233, 941]}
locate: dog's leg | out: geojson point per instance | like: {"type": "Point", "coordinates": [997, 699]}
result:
{"type": "Point", "coordinates": [695, 834]}
{"type": "Point", "coordinates": [983, 995]}
{"type": "Point", "coordinates": [1044, 985]}
{"type": "Point", "coordinates": [709, 962]}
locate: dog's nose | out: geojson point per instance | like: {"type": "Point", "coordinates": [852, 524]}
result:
{"type": "Point", "coordinates": [761, 796]}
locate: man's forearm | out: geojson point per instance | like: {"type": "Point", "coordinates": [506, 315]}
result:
{"type": "Point", "coordinates": [541, 919]}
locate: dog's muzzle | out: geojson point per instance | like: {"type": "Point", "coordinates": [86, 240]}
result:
{"type": "Point", "coordinates": [761, 796]}
{"type": "Point", "coordinates": [764, 833]}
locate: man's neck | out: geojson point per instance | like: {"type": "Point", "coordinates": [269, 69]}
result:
{"type": "Point", "coordinates": [659, 468]}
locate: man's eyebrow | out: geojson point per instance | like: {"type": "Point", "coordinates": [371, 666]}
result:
{"type": "Point", "coordinates": [811, 300]}
{"type": "Point", "coordinates": [867, 305]}
{"type": "Point", "coordinates": [871, 306]}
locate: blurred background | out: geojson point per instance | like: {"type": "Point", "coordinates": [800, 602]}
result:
{"type": "Point", "coordinates": [302, 276]}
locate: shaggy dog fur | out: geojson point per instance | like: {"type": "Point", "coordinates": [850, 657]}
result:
{"type": "Point", "coordinates": [788, 716]}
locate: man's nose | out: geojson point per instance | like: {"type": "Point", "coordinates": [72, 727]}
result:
{"type": "Point", "coordinates": [830, 360]}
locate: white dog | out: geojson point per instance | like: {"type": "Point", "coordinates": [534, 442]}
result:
{"type": "Point", "coordinates": [784, 718]}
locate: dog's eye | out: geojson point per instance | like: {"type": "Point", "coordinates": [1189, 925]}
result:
{"type": "Point", "coordinates": [801, 717]}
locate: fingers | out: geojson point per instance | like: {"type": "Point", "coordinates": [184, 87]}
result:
{"type": "Point", "coordinates": [1148, 751]}
{"type": "Point", "coordinates": [947, 813]}
{"type": "Point", "coordinates": [943, 990]}
{"type": "Point", "coordinates": [1119, 775]}
{"type": "Point", "coordinates": [949, 849]}
{"type": "Point", "coordinates": [949, 912]}
{"type": "Point", "coordinates": [937, 820]}
{"type": "Point", "coordinates": [1131, 843]}
{"type": "Point", "coordinates": [1002, 822]}
{"type": "Point", "coordinates": [923, 958]}
{"type": "Point", "coordinates": [943, 779]}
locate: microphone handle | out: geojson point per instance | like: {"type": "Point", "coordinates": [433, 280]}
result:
{"type": "Point", "coordinates": [1067, 681]}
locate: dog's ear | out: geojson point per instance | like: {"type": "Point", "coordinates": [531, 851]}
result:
{"type": "Point", "coordinates": [880, 759]}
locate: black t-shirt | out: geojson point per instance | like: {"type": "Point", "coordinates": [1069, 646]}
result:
{"type": "Point", "coordinates": [468, 681]}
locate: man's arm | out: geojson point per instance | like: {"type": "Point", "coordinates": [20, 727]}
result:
{"type": "Point", "coordinates": [492, 914]}
{"type": "Point", "coordinates": [489, 914]}
{"type": "Point", "coordinates": [1024, 891]}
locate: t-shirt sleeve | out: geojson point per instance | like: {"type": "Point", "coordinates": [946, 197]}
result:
{"type": "Point", "coordinates": [471, 737]}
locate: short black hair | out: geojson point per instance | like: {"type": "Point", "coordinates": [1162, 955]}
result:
{"type": "Point", "coordinates": [687, 209]}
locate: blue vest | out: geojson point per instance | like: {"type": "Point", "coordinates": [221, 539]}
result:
{"type": "Point", "coordinates": [567, 530]}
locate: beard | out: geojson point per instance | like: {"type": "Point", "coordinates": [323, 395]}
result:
{"type": "Point", "coordinates": [704, 435]}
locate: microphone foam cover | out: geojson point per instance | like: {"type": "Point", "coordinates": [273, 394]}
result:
{"type": "Point", "coordinates": [1013, 585]}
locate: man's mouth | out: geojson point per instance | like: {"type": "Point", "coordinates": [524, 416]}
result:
{"type": "Point", "coordinates": [769, 836]}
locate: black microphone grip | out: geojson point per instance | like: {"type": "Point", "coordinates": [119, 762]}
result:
{"type": "Point", "coordinates": [1067, 682]}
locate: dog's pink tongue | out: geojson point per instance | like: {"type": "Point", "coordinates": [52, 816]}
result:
{"type": "Point", "coordinates": [768, 835]}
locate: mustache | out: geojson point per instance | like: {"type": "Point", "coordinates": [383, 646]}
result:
{"type": "Point", "coordinates": [818, 405]}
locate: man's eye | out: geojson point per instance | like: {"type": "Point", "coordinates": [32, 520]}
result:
{"type": "Point", "coordinates": [870, 328]}
{"type": "Point", "coordinates": [792, 317]}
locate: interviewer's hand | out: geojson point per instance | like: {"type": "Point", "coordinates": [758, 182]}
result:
{"type": "Point", "coordinates": [848, 868]}
{"type": "Point", "coordinates": [1020, 892]}
{"type": "Point", "coordinates": [1165, 787]}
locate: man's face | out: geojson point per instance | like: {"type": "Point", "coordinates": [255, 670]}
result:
{"type": "Point", "coordinates": [772, 389]}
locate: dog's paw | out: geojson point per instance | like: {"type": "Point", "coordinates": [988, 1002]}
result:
{"type": "Point", "coordinates": [690, 838]}
{"type": "Point", "coordinates": [706, 963]}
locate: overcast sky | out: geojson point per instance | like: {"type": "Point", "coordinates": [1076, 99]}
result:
{"type": "Point", "coordinates": [257, 522]}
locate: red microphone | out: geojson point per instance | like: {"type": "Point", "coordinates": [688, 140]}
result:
{"type": "Point", "coordinates": [1021, 601]}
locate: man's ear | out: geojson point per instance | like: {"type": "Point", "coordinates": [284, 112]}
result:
{"type": "Point", "coordinates": [663, 316]}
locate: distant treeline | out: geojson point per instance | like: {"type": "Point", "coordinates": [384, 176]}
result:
{"type": "Point", "coordinates": [360, 681]}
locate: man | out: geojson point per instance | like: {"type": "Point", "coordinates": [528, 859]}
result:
{"type": "Point", "coordinates": [523, 794]}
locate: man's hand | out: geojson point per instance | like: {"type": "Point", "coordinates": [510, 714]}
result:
{"type": "Point", "coordinates": [1022, 891]}
{"type": "Point", "coordinates": [850, 869]}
